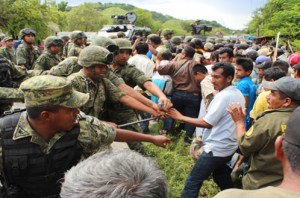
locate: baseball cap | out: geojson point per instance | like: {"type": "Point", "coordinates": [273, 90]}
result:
{"type": "Point", "coordinates": [261, 59]}
{"type": "Point", "coordinates": [294, 59]}
{"type": "Point", "coordinates": [265, 65]}
{"type": "Point", "coordinates": [292, 134]}
{"type": "Point", "coordinates": [287, 85]}
{"type": "Point", "coordinates": [47, 90]}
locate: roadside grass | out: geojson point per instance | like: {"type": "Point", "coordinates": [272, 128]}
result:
{"type": "Point", "coordinates": [176, 162]}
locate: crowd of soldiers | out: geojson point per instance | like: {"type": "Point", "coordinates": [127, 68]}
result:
{"type": "Point", "coordinates": [90, 89]}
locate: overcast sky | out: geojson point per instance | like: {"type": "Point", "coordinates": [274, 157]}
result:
{"type": "Point", "coordinates": [234, 14]}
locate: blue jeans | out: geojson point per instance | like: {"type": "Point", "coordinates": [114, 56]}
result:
{"type": "Point", "coordinates": [187, 104]}
{"type": "Point", "coordinates": [206, 165]}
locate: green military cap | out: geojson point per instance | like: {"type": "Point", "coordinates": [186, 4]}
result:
{"type": "Point", "coordinates": [93, 55]}
{"type": "Point", "coordinates": [123, 43]}
{"type": "Point", "coordinates": [7, 38]}
{"type": "Point", "coordinates": [176, 40]}
{"type": "Point", "coordinates": [105, 42]}
{"type": "Point", "coordinates": [47, 90]}
{"type": "Point", "coordinates": [52, 41]}
{"type": "Point", "coordinates": [166, 31]}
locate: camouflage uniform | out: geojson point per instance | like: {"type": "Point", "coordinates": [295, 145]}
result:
{"type": "Point", "coordinates": [118, 112]}
{"type": "Point", "coordinates": [46, 61]}
{"type": "Point", "coordinates": [100, 93]}
{"type": "Point", "coordinates": [9, 54]}
{"type": "Point", "coordinates": [166, 43]}
{"type": "Point", "coordinates": [74, 50]}
{"type": "Point", "coordinates": [65, 67]}
{"type": "Point", "coordinates": [26, 55]}
{"type": "Point", "coordinates": [38, 91]}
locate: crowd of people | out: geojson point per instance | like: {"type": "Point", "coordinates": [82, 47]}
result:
{"type": "Point", "coordinates": [238, 101]}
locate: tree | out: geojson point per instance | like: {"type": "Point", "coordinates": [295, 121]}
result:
{"type": "Point", "coordinates": [86, 17]}
{"type": "Point", "coordinates": [63, 6]}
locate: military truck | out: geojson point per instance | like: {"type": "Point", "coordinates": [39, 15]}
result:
{"type": "Point", "coordinates": [199, 30]}
{"type": "Point", "coordinates": [125, 24]}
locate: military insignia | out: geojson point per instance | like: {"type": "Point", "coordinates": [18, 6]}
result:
{"type": "Point", "coordinates": [249, 132]}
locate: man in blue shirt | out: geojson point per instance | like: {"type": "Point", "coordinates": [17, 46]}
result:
{"type": "Point", "coordinates": [245, 84]}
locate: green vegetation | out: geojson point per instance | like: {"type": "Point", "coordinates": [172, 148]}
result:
{"type": "Point", "coordinates": [176, 162]}
{"type": "Point", "coordinates": [47, 17]}
{"type": "Point", "coordinates": [277, 16]}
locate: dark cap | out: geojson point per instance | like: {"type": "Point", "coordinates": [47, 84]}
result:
{"type": "Point", "coordinates": [287, 85]}
{"type": "Point", "coordinates": [264, 65]}
{"type": "Point", "coordinates": [292, 134]}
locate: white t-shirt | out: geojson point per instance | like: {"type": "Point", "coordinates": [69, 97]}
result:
{"type": "Point", "coordinates": [221, 138]}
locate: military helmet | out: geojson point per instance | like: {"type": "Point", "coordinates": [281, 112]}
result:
{"type": "Point", "coordinates": [93, 54]}
{"type": "Point", "coordinates": [52, 41]}
{"type": "Point", "coordinates": [176, 40]}
{"type": "Point", "coordinates": [26, 31]}
{"type": "Point", "coordinates": [77, 34]}
{"type": "Point", "coordinates": [166, 31]}
{"type": "Point", "coordinates": [124, 44]}
{"type": "Point", "coordinates": [7, 38]}
{"type": "Point", "coordinates": [105, 42]}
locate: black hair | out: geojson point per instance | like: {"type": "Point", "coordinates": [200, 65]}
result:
{"type": "Point", "coordinates": [215, 56]}
{"type": "Point", "coordinates": [226, 50]}
{"type": "Point", "coordinates": [246, 63]}
{"type": "Point", "coordinates": [155, 39]}
{"type": "Point", "coordinates": [228, 69]}
{"type": "Point", "coordinates": [167, 55]}
{"type": "Point", "coordinates": [292, 154]}
{"type": "Point", "coordinates": [283, 65]}
{"type": "Point", "coordinates": [189, 51]}
{"type": "Point", "coordinates": [273, 73]}
{"type": "Point", "coordinates": [199, 68]}
{"type": "Point", "coordinates": [142, 48]}
{"type": "Point", "coordinates": [34, 112]}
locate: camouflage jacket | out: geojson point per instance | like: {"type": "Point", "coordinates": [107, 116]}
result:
{"type": "Point", "coordinates": [94, 135]}
{"type": "Point", "coordinates": [118, 112]}
{"type": "Point", "coordinates": [100, 92]}
{"type": "Point", "coordinates": [46, 61]}
{"type": "Point", "coordinates": [65, 67]}
{"type": "Point", "coordinates": [131, 75]}
{"type": "Point", "coordinates": [9, 54]}
{"type": "Point", "coordinates": [26, 55]}
{"type": "Point", "coordinates": [74, 50]}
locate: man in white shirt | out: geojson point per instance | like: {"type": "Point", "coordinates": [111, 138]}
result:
{"type": "Point", "coordinates": [219, 136]}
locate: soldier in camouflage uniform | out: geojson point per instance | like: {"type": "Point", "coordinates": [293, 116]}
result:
{"type": "Point", "coordinates": [132, 76]}
{"type": "Point", "coordinates": [53, 136]}
{"type": "Point", "coordinates": [50, 56]}
{"type": "Point", "coordinates": [90, 79]}
{"type": "Point", "coordinates": [64, 49]}
{"type": "Point", "coordinates": [66, 67]}
{"type": "Point", "coordinates": [26, 54]}
{"type": "Point", "coordinates": [77, 44]}
{"type": "Point", "coordinates": [111, 46]}
{"type": "Point", "coordinates": [8, 51]}
{"type": "Point", "coordinates": [167, 36]}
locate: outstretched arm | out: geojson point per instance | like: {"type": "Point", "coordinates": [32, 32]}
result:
{"type": "Point", "coordinates": [130, 136]}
